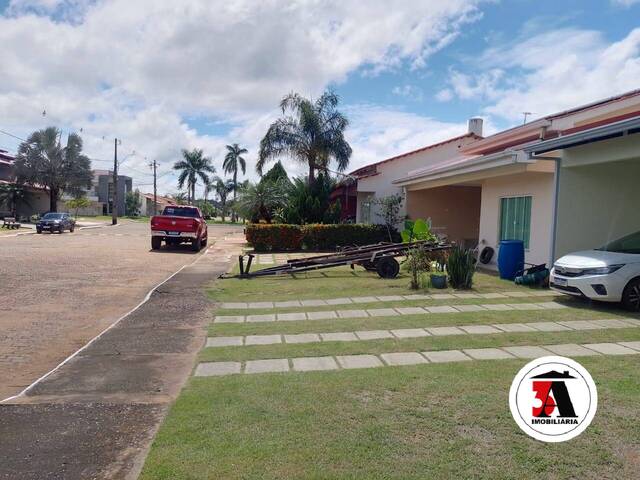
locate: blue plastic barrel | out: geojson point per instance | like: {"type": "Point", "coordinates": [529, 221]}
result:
{"type": "Point", "coordinates": [510, 258]}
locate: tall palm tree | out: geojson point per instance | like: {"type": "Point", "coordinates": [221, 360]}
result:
{"type": "Point", "coordinates": [193, 165]}
{"type": "Point", "coordinates": [232, 161]}
{"type": "Point", "coordinates": [310, 132]}
{"type": "Point", "coordinates": [222, 189]}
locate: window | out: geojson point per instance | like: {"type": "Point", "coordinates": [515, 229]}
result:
{"type": "Point", "coordinates": [365, 214]}
{"type": "Point", "coordinates": [515, 219]}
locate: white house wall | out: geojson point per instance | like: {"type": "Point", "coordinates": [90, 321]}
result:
{"type": "Point", "coordinates": [540, 187]}
{"type": "Point", "coordinates": [597, 202]}
{"type": "Point", "coordinates": [380, 185]}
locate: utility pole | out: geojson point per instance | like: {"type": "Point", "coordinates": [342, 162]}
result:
{"type": "Point", "coordinates": [114, 199]}
{"type": "Point", "coordinates": [154, 165]}
{"type": "Point", "coordinates": [525, 114]}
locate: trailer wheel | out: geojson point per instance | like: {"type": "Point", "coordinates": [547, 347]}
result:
{"type": "Point", "coordinates": [388, 267]}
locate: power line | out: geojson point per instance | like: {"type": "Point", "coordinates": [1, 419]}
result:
{"type": "Point", "coordinates": [14, 136]}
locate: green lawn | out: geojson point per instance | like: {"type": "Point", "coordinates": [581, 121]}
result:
{"type": "Point", "coordinates": [437, 421]}
{"type": "Point", "coordinates": [430, 421]}
{"type": "Point", "coordinates": [332, 283]}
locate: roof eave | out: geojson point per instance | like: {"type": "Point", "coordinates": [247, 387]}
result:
{"type": "Point", "coordinates": [604, 132]}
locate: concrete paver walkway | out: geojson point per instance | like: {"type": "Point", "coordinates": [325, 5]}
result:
{"type": "Point", "coordinates": [306, 364]}
{"type": "Point", "coordinates": [418, 332]}
{"type": "Point", "coordinates": [384, 312]}
{"type": "Point", "coordinates": [383, 298]}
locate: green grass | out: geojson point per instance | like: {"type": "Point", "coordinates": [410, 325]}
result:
{"type": "Point", "coordinates": [421, 344]}
{"type": "Point", "coordinates": [435, 421]}
{"type": "Point", "coordinates": [438, 421]}
{"type": "Point", "coordinates": [334, 283]}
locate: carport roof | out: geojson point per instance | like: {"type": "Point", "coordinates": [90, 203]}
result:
{"type": "Point", "coordinates": [597, 134]}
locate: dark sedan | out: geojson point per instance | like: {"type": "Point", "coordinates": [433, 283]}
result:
{"type": "Point", "coordinates": [56, 222]}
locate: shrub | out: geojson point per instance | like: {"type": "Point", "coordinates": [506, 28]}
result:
{"type": "Point", "coordinates": [314, 237]}
{"type": "Point", "coordinates": [461, 267]}
{"type": "Point", "coordinates": [265, 237]}
{"type": "Point", "coordinates": [417, 263]}
{"type": "Point", "coordinates": [331, 236]}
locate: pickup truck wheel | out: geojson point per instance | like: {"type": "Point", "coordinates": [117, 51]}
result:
{"type": "Point", "coordinates": [204, 242]}
{"type": "Point", "coordinates": [196, 245]}
{"type": "Point", "coordinates": [71, 229]}
{"type": "Point", "coordinates": [156, 243]}
{"type": "Point", "coordinates": [38, 230]}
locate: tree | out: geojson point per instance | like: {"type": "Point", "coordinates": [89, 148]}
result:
{"type": "Point", "coordinates": [193, 165]}
{"type": "Point", "coordinates": [311, 203]}
{"type": "Point", "coordinates": [390, 211]}
{"type": "Point", "coordinates": [12, 195]}
{"type": "Point", "coordinates": [275, 174]}
{"type": "Point", "coordinates": [133, 203]}
{"type": "Point", "coordinates": [78, 203]}
{"type": "Point", "coordinates": [310, 132]}
{"type": "Point", "coordinates": [232, 161]}
{"type": "Point", "coordinates": [261, 201]}
{"type": "Point", "coordinates": [222, 188]}
{"type": "Point", "coordinates": [180, 198]}
{"type": "Point", "coordinates": [43, 161]}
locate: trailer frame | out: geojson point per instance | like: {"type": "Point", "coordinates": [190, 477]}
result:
{"type": "Point", "coordinates": [380, 257]}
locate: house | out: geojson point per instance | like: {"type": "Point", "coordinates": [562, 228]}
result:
{"type": "Point", "coordinates": [453, 210]}
{"type": "Point", "coordinates": [534, 186]}
{"type": "Point", "coordinates": [35, 200]}
{"type": "Point", "coordinates": [147, 209]}
{"type": "Point", "coordinates": [346, 192]}
{"type": "Point", "coordinates": [596, 194]}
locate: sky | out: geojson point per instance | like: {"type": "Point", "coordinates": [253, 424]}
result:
{"type": "Point", "coordinates": [165, 75]}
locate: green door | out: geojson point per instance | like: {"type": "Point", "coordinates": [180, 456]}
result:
{"type": "Point", "coordinates": [515, 219]}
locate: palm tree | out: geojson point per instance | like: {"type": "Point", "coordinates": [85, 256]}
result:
{"type": "Point", "coordinates": [232, 160]}
{"type": "Point", "coordinates": [222, 188]}
{"type": "Point", "coordinates": [193, 165]}
{"type": "Point", "coordinates": [43, 161]}
{"type": "Point", "coordinates": [262, 200]}
{"type": "Point", "coordinates": [310, 132]}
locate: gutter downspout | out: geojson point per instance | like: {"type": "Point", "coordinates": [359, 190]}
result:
{"type": "Point", "coordinates": [554, 206]}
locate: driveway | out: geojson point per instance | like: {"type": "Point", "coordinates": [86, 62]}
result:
{"type": "Point", "coordinates": [60, 291]}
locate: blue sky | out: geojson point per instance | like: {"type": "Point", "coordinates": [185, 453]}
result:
{"type": "Point", "coordinates": [165, 75]}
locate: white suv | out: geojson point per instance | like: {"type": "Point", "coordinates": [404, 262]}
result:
{"type": "Point", "coordinates": [610, 273]}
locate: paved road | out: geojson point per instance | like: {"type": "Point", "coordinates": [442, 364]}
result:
{"type": "Point", "coordinates": [59, 291]}
{"type": "Point", "coordinates": [96, 415]}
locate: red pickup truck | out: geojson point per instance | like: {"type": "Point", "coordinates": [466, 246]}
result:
{"type": "Point", "coordinates": [179, 224]}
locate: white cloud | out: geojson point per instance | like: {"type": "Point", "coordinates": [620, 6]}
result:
{"type": "Point", "coordinates": [625, 3]}
{"type": "Point", "coordinates": [383, 132]}
{"type": "Point", "coordinates": [411, 92]}
{"type": "Point", "coordinates": [136, 69]}
{"type": "Point", "coordinates": [549, 72]}
{"type": "Point", "coordinates": [444, 95]}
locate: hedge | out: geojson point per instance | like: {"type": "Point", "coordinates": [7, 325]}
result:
{"type": "Point", "coordinates": [280, 237]}
{"type": "Point", "coordinates": [264, 238]}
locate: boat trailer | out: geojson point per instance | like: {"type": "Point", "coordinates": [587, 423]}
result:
{"type": "Point", "coordinates": [380, 258]}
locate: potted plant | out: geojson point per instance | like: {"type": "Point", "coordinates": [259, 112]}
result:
{"type": "Point", "coordinates": [439, 277]}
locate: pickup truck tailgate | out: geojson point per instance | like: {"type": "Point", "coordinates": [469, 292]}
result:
{"type": "Point", "coordinates": [177, 224]}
